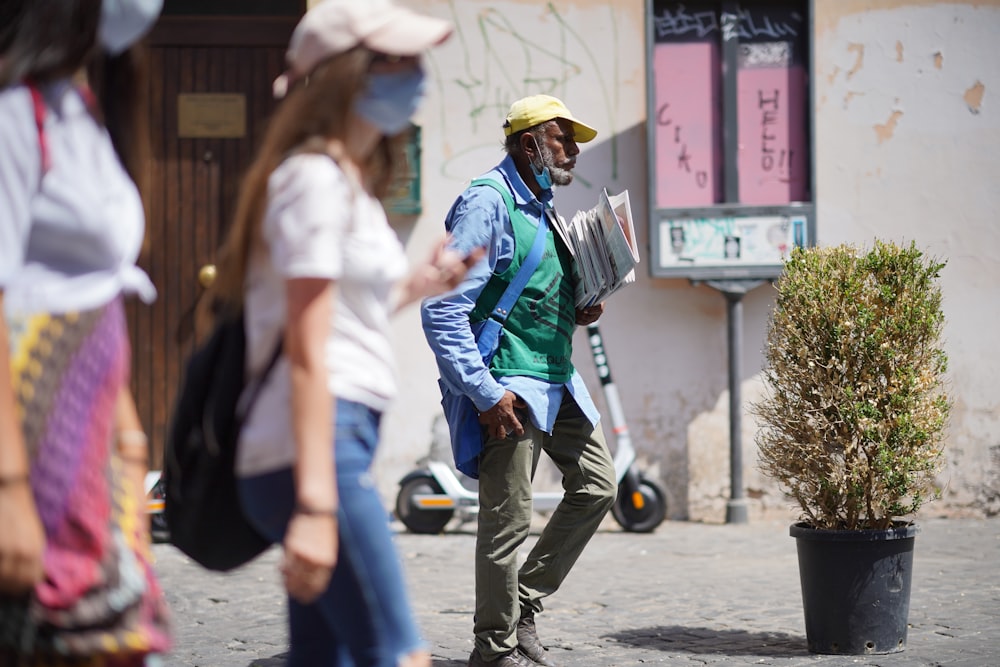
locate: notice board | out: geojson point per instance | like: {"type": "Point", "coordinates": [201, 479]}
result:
{"type": "Point", "coordinates": [729, 136]}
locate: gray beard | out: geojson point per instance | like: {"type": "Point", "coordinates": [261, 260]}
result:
{"type": "Point", "coordinates": [559, 175]}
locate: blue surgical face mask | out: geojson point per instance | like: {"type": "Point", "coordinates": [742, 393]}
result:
{"type": "Point", "coordinates": [124, 22]}
{"type": "Point", "coordinates": [542, 175]}
{"type": "Point", "coordinates": [391, 99]}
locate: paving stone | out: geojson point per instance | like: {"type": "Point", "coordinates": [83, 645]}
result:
{"type": "Point", "coordinates": [688, 594]}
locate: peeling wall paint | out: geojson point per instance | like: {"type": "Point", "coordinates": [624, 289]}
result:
{"type": "Point", "coordinates": [914, 156]}
{"type": "Point", "coordinates": [850, 95]}
{"type": "Point", "coordinates": [974, 96]}
{"type": "Point", "coordinates": [885, 130]}
{"type": "Point", "coordinates": [829, 12]}
{"type": "Point", "coordinates": [859, 52]}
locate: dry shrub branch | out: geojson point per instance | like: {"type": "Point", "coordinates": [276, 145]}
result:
{"type": "Point", "coordinates": [853, 420]}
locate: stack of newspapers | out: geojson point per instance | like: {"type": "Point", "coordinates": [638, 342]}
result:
{"type": "Point", "coordinates": [602, 242]}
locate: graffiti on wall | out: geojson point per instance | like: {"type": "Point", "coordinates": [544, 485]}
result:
{"type": "Point", "coordinates": [688, 142]}
{"type": "Point", "coordinates": [679, 21]}
{"type": "Point", "coordinates": [507, 54]}
{"type": "Point", "coordinates": [771, 102]}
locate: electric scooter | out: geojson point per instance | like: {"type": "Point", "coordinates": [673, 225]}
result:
{"type": "Point", "coordinates": [433, 495]}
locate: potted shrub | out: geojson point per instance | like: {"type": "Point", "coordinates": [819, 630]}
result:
{"type": "Point", "coordinates": [851, 427]}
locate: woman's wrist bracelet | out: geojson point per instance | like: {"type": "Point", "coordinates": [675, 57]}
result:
{"type": "Point", "coordinates": [14, 479]}
{"type": "Point", "coordinates": [315, 511]}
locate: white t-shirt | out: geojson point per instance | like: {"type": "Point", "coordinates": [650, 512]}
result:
{"type": "Point", "coordinates": [69, 238]}
{"type": "Point", "coordinates": [316, 226]}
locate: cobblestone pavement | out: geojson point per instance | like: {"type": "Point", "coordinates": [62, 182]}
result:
{"type": "Point", "coordinates": [688, 594]}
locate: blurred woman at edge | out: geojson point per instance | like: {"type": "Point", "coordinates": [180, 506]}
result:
{"type": "Point", "coordinates": [75, 578]}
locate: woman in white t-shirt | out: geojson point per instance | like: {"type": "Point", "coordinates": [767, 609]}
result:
{"type": "Point", "coordinates": [76, 583]}
{"type": "Point", "coordinates": [317, 268]}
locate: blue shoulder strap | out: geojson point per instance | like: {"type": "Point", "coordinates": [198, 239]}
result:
{"type": "Point", "coordinates": [530, 263]}
{"type": "Point", "coordinates": [489, 336]}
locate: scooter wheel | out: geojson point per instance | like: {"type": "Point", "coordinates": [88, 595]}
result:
{"type": "Point", "coordinates": [643, 519]}
{"type": "Point", "coordinates": [417, 520]}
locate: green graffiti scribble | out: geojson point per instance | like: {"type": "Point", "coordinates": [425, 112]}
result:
{"type": "Point", "coordinates": [603, 87]}
{"type": "Point", "coordinates": [489, 92]}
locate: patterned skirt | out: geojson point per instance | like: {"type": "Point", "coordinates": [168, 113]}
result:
{"type": "Point", "coordinates": [99, 603]}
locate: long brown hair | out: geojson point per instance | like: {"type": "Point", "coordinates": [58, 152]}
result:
{"type": "Point", "coordinates": [316, 110]}
{"type": "Point", "coordinates": [46, 40]}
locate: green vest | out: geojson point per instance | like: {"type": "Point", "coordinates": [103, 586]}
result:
{"type": "Point", "coordinates": [538, 335]}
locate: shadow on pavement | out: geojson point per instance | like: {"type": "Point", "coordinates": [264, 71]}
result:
{"type": "Point", "coordinates": [713, 641]}
{"type": "Point", "coordinates": [281, 659]}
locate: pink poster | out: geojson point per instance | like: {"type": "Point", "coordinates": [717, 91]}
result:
{"type": "Point", "coordinates": [688, 111]}
{"type": "Point", "coordinates": [773, 149]}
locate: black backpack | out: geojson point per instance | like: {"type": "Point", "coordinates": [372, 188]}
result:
{"type": "Point", "coordinates": [202, 507]}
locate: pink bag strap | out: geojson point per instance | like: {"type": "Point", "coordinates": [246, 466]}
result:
{"type": "Point", "coordinates": [40, 111]}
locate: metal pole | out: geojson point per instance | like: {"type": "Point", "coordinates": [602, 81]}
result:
{"type": "Point", "coordinates": [734, 290]}
{"type": "Point", "coordinates": [736, 508]}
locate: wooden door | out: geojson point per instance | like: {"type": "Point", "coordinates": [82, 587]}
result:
{"type": "Point", "coordinates": [222, 67]}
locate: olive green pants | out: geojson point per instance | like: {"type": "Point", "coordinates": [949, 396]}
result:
{"type": "Point", "coordinates": [506, 468]}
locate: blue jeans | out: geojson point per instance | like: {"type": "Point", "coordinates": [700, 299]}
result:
{"type": "Point", "coordinates": [364, 618]}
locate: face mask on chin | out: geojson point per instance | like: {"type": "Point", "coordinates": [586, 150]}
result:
{"type": "Point", "coordinates": [548, 174]}
{"type": "Point", "coordinates": [543, 176]}
{"type": "Point", "coordinates": [391, 99]}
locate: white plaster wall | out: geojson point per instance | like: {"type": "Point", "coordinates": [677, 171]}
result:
{"type": "Point", "coordinates": [908, 140]}
{"type": "Point", "coordinates": [907, 148]}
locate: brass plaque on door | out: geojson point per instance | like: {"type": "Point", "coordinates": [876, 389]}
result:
{"type": "Point", "coordinates": [211, 115]}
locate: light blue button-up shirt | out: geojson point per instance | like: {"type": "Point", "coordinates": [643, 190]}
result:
{"type": "Point", "coordinates": [477, 219]}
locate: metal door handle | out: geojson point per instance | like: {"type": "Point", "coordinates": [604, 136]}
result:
{"type": "Point", "coordinates": [206, 275]}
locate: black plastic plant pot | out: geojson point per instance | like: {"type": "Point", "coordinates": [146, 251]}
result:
{"type": "Point", "coordinates": [855, 588]}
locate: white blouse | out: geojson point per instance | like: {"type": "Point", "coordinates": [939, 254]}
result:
{"type": "Point", "coordinates": [69, 237]}
{"type": "Point", "coordinates": [315, 226]}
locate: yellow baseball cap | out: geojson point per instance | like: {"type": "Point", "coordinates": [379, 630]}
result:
{"type": "Point", "coordinates": [536, 109]}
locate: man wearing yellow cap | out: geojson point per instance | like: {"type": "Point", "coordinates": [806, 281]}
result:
{"type": "Point", "coordinates": [528, 394]}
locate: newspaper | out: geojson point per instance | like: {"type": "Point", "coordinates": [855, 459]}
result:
{"type": "Point", "coordinates": [602, 242]}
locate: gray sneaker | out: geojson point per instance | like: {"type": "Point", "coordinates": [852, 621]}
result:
{"type": "Point", "coordinates": [528, 642]}
{"type": "Point", "coordinates": [513, 659]}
